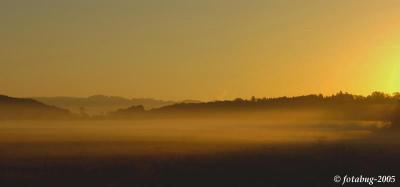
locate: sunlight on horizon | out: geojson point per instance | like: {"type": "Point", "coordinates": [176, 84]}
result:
{"type": "Point", "coordinates": [205, 50]}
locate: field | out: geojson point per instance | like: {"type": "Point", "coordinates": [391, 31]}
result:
{"type": "Point", "coordinates": [194, 152]}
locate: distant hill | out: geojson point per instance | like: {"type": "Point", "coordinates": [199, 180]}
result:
{"type": "Point", "coordinates": [377, 106]}
{"type": "Point", "coordinates": [21, 108]}
{"type": "Point", "coordinates": [341, 106]}
{"type": "Point", "coordinates": [101, 104]}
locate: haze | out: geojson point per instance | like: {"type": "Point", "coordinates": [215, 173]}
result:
{"type": "Point", "coordinates": [208, 49]}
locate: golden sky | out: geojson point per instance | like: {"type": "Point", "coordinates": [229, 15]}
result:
{"type": "Point", "coordinates": [198, 49]}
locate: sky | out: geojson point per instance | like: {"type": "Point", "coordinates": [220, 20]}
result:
{"type": "Point", "coordinates": [198, 49]}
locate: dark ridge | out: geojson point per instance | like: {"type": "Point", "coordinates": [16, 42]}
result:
{"type": "Point", "coordinates": [23, 108]}
{"type": "Point", "coordinates": [377, 106]}
{"type": "Point", "coordinates": [131, 112]}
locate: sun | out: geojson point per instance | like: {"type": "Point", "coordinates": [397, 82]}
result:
{"type": "Point", "coordinates": [391, 71]}
{"type": "Point", "coordinates": [386, 68]}
{"type": "Point", "coordinates": [394, 84]}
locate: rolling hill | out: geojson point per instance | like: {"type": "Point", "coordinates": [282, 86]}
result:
{"type": "Point", "coordinates": [22, 108]}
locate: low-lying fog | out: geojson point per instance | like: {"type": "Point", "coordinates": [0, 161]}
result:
{"type": "Point", "coordinates": [114, 137]}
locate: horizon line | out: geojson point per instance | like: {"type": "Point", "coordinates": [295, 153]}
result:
{"type": "Point", "coordinates": [202, 100]}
